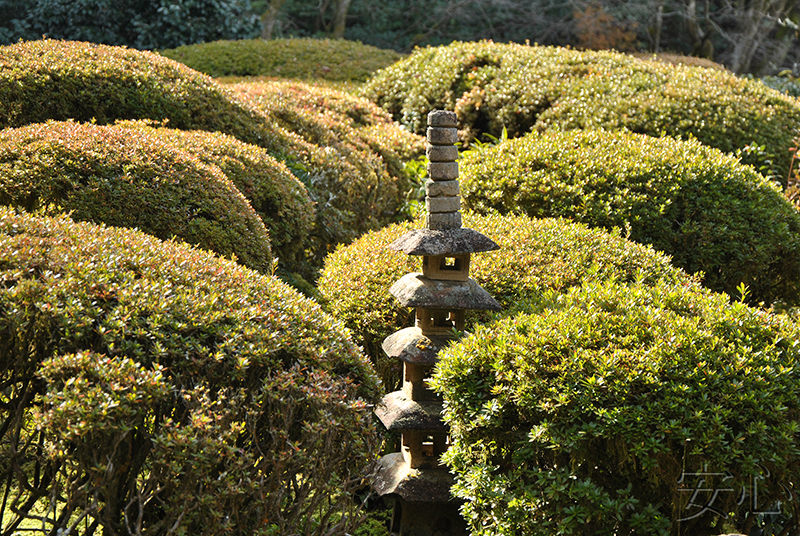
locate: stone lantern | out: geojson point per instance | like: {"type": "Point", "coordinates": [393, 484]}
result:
{"type": "Point", "coordinates": [440, 295]}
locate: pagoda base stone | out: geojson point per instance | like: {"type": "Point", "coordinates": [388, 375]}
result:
{"type": "Point", "coordinates": [398, 412]}
{"type": "Point", "coordinates": [394, 476]}
{"type": "Point", "coordinates": [413, 346]}
{"type": "Point", "coordinates": [427, 519]}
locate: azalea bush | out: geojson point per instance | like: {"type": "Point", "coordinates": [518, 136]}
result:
{"type": "Point", "coordinates": [130, 178]}
{"type": "Point", "coordinates": [354, 187]}
{"type": "Point", "coordinates": [155, 388]}
{"type": "Point", "coordinates": [327, 59]}
{"type": "Point", "coordinates": [711, 214]}
{"type": "Point", "coordinates": [493, 86]}
{"type": "Point", "coordinates": [359, 140]}
{"type": "Point", "coordinates": [533, 255]}
{"type": "Point", "coordinates": [601, 409]}
{"type": "Point", "coordinates": [278, 197]}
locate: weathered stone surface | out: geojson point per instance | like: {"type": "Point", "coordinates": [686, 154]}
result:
{"type": "Point", "coordinates": [442, 204]}
{"type": "Point", "coordinates": [441, 188]}
{"type": "Point", "coordinates": [412, 346]}
{"type": "Point", "coordinates": [443, 221]}
{"type": "Point", "coordinates": [449, 242]}
{"type": "Point", "coordinates": [442, 153]}
{"type": "Point", "coordinates": [394, 475]}
{"type": "Point", "coordinates": [398, 412]}
{"type": "Point", "coordinates": [442, 118]}
{"type": "Point", "coordinates": [442, 136]}
{"type": "Point", "coordinates": [443, 171]}
{"type": "Point", "coordinates": [416, 290]}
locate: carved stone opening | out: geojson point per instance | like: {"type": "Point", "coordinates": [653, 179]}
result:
{"type": "Point", "coordinates": [415, 382]}
{"type": "Point", "coordinates": [439, 321]}
{"type": "Point", "coordinates": [422, 449]}
{"type": "Point", "coordinates": [446, 267]}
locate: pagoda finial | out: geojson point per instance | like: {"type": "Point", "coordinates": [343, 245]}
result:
{"type": "Point", "coordinates": [442, 201]}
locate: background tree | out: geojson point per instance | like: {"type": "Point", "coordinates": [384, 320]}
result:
{"type": "Point", "coordinates": [138, 23]}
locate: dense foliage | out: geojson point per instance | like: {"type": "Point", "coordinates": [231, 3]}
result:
{"type": "Point", "coordinates": [129, 178]}
{"type": "Point", "coordinates": [701, 207]}
{"type": "Point", "coordinates": [367, 183]}
{"type": "Point", "coordinates": [326, 59]}
{"type": "Point", "coordinates": [601, 410]}
{"type": "Point", "coordinates": [704, 209]}
{"type": "Point", "coordinates": [144, 24]}
{"type": "Point", "coordinates": [495, 86]}
{"type": "Point", "coordinates": [277, 196]}
{"type": "Point", "coordinates": [354, 187]}
{"type": "Point", "coordinates": [149, 387]}
{"type": "Point", "coordinates": [60, 80]}
{"type": "Point", "coordinates": [534, 255]}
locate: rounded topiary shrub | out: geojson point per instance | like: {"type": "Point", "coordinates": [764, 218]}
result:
{"type": "Point", "coordinates": [59, 80]}
{"type": "Point", "coordinates": [278, 197]}
{"type": "Point", "coordinates": [328, 59]}
{"type": "Point", "coordinates": [534, 255]}
{"type": "Point", "coordinates": [350, 133]}
{"type": "Point", "coordinates": [151, 387]}
{"type": "Point", "coordinates": [703, 208]}
{"type": "Point", "coordinates": [493, 86]}
{"type": "Point", "coordinates": [129, 178]}
{"type": "Point", "coordinates": [355, 190]}
{"type": "Point", "coordinates": [624, 409]}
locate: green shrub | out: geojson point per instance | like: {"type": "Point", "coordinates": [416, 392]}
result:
{"type": "Point", "coordinates": [328, 59]}
{"type": "Point", "coordinates": [704, 209]}
{"type": "Point", "coordinates": [360, 138]}
{"type": "Point", "coordinates": [534, 255]}
{"type": "Point", "coordinates": [599, 410]}
{"type": "Point", "coordinates": [277, 196]}
{"type": "Point", "coordinates": [494, 86]}
{"type": "Point", "coordinates": [150, 387]}
{"type": "Point", "coordinates": [60, 80]}
{"type": "Point", "coordinates": [354, 187]}
{"type": "Point", "coordinates": [129, 178]}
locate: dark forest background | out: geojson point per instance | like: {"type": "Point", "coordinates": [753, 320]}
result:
{"type": "Point", "coordinates": [747, 36]}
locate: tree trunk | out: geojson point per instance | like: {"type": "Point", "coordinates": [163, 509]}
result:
{"type": "Point", "coordinates": [340, 18]}
{"type": "Point", "coordinates": [659, 24]}
{"type": "Point", "coordinates": [270, 18]}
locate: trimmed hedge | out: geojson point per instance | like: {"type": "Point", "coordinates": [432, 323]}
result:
{"type": "Point", "coordinates": [129, 178]}
{"type": "Point", "coordinates": [701, 207]}
{"type": "Point", "coordinates": [278, 197]}
{"type": "Point", "coordinates": [599, 410]}
{"type": "Point", "coordinates": [47, 79]}
{"type": "Point", "coordinates": [153, 387]}
{"type": "Point", "coordinates": [372, 184]}
{"type": "Point", "coordinates": [60, 80]}
{"type": "Point", "coordinates": [535, 255]}
{"type": "Point", "coordinates": [328, 59]}
{"type": "Point", "coordinates": [493, 86]}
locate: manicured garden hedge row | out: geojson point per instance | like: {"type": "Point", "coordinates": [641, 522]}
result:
{"type": "Point", "coordinates": [129, 178]}
{"type": "Point", "coordinates": [153, 387]}
{"type": "Point", "coordinates": [278, 197]}
{"type": "Point", "coordinates": [601, 410]}
{"type": "Point", "coordinates": [47, 79]}
{"type": "Point", "coordinates": [494, 86]}
{"type": "Point", "coordinates": [535, 255]}
{"type": "Point", "coordinates": [701, 207]}
{"type": "Point", "coordinates": [327, 59]}
{"type": "Point", "coordinates": [369, 186]}
{"type": "Point", "coordinates": [60, 80]}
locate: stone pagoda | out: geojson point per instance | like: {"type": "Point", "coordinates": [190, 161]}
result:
{"type": "Point", "coordinates": [441, 295]}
